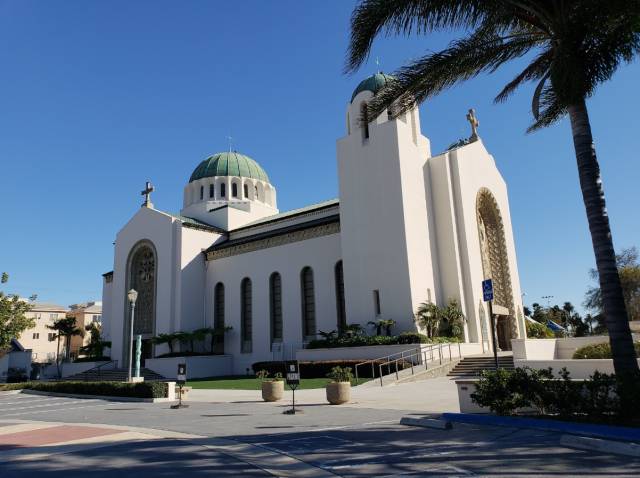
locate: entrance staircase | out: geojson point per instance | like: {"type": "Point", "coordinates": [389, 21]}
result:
{"type": "Point", "coordinates": [471, 367]}
{"type": "Point", "coordinates": [114, 375]}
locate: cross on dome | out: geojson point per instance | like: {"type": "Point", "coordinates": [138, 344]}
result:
{"type": "Point", "coordinates": [147, 194]}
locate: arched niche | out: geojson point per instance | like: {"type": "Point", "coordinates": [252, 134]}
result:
{"type": "Point", "coordinates": [141, 276]}
{"type": "Point", "coordinates": [495, 263]}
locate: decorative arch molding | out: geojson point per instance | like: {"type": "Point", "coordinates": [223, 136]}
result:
{"type": "Point", "coordinates": [141, 275]}
{"type": "Point", "coordinates": [495, 259]}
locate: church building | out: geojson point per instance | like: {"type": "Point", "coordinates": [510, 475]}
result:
{"type": "Point", "coordinates": [408, 227]}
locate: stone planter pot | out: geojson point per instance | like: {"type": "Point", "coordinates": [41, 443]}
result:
{"type": "Point", "coordinates": [272, 391]}
{"type": "Point", "coordinates": [338, 392]}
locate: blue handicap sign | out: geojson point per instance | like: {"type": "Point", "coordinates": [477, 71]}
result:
{"type": "Point", "coordinates": [487, 290]}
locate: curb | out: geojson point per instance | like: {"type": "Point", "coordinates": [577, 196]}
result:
{"type": "Point", "coordinates": [571, 428]}
{"type": "Point", "coordinates": [605, 446]}
{"type": "Point", "coordinates": [99, 397]}
{"type": "Point", "coordinates": [426, 423]}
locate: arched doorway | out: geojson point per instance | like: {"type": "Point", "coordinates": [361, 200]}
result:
{"type": "Point", "coordinates": [495, 264]}
{"type": "Point", "coordinates": [141, 276]}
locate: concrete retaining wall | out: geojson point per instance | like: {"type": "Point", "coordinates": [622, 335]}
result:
{"type": "Point", "coordinates": [197, 367]}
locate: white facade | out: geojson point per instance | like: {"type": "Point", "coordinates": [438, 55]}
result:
{"type": "Point", "coordinates": [408, 227]}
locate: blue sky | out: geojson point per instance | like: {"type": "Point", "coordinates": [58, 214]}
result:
{"type": "Point", "coordinates": [97, 97]}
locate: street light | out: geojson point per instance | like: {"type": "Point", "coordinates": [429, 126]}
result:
{"type": "Point", "coordinates": [132, 295]}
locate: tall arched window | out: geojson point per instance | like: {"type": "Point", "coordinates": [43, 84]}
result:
{"type": "Point", "coordinates": [364, 118]}
{"type": "Point", "coordinates": [223, 190]}
{"type": "Point", "coordinates": [308, 304]}
{"type": "Point", "coordinates": [218, 317]}
{"type": "Point", "coordinates": [256, 193]}
{"type": "Point", "coordinates": [246, 315]}
{"type": "Point", "coordinates": [211, 189]}
{"type": "Point", "coordinates": [275, 306]}
{"type": "Point", "coordinates": [201, 193]}
{"type": "Point", "coordinates": [342, 314]}
{"type": "Point", "coordinates": [246, 190]}
{"type": "Point", "coordinates": [234, 190]}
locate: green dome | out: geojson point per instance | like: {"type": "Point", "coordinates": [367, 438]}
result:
{"type": "Point", "coordinates": [373, 84]}
{"type": "Point", "coordinates": [229, 164]}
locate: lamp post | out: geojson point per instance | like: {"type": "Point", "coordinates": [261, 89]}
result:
{"type": "Point", "coordinates": [132, 295]}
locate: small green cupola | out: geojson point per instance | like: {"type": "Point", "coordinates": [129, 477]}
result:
{"type": "Point", "coordinates": [373, 84]}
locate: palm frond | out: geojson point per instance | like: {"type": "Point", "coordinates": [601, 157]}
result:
{"type": "Point", "coordinates": [534, 71]}
{"type": "Point", "coordinates": [462, 60]}
{"type": "Point", "coordinates": [371, 17]}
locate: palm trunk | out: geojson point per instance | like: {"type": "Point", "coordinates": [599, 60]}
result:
{"type": "Point", "coordinates": [615, 314]}
{"type": "Point", "coordinates": [58, 358]}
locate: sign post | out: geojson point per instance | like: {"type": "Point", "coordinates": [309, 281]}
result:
{"type": "Point", "coordinates": [293, 381]}
{"type": "Point", "coordinates": [487, 295]}
{"type": "Point", "coordinates": [181, 379]}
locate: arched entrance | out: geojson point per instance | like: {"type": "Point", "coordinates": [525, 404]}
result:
{"type": "Point", "coordinates": [495, 264]}
{"type": "Point", "coordinates": [141, 276]}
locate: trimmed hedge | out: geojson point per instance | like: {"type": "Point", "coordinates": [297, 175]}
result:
{"type": "Point", "coordinates": [366, 340]}
{"type": "Point", "coordinates": [599, 351]}
{"type": "Point", "coordinates": [599, 398]}
{"type": "Point", "coordinates": [109, 389]}
{"type": "Point", "coordinates": [320, 368]}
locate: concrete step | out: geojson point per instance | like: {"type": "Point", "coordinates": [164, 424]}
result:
{"type": "Point", "coordinates": [473, 366]}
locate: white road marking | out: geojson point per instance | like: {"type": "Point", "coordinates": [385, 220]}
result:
{"type": "Point", "coordinates": [50, 410]}
{"type": "Point", "coordinates": [74, 402]}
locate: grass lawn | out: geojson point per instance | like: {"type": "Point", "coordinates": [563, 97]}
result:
{"type": "Point", "coordinates": [242, 382]}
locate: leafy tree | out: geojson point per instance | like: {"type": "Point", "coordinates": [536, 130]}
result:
{"type": "Point", "coordinates": [13, 318]}
{"type": "Point", "coordinates": [95, 347]}
{"type": "Point", "coordinates": [629, 272]}
{"type": "Point", "coordinates": [573, 46]}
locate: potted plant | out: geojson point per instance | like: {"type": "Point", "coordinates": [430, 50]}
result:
{"type": "Point", "coordinates": [339, 389]}
{"type": "Point", "coordinates": [272, 388]}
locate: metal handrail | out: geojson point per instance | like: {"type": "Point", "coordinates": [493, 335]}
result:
{"type": "Point", "coordinates": [85, 374]}
{"type": "Point", "coordinates": [421, 355]}
{"type": "Point", "coordinates": [387, 357]}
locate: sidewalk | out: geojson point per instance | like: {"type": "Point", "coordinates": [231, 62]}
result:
{"type": "Point", "coordinates": [435, 395]}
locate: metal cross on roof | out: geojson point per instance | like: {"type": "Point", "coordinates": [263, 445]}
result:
{"type": "Point", "coordinates": [473, 121]}
{"type": "Point", "coordinates": [147, 194]}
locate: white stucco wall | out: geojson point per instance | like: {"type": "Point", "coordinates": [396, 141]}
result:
{"type": "Point", "coordinates": [384, 219]}
{"type": "Point", "coordinates": [320, 253]}
{"type": "Point", "coordinates": [179, 270]}
{"type": "Point", "coordinates": [456, 177]}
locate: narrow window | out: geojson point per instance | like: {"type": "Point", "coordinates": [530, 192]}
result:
{"type": "Point", "coordinates": [256, 193]}
{"type": "Point", "coordinates": [218, 318]}
{"type": "Point", "coordinates": [364, 117]}
{"type": "Point", "coordinates": [246, 190]}
{"type": "Point", "coordinates": [308, 304]}
{"type": "Point", "coordinates": [201, 193]}
{"type": "Point", "coordinates": [234, 190]}
{"type": "Point", "coordinates": [211, 189]}
{"type": "Point", "coordinates": [275, 306]}
{"type": "Point", "coordinates": [376, 302]}
{"type": "Point", "coordinates": [223, 191]}
{"type": "Point", "coordinates": [245, 315]}
{"type": "Point", "coordinates": [36, 336]}
{"type": "Point", "coordinates": [342, 315]}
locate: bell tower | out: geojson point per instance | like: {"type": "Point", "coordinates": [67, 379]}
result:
{"type": "Point", "coordinates": [384, 212]}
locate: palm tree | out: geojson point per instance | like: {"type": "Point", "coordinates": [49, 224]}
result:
{"type": "Point", "coordinates": [65, 328]}
{"type": "Point", "coordinates": [576, 45]}
{"type": "Point", "coordinates": [428, 317]}
{"type": "Point", "coordinates": [165, 339]}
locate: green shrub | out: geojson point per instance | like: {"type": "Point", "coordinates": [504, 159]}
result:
{"type": "Point", "coordinates": [5, 387]}
{"type": "Point", "coordinates": [364, 340]}
{"type": "Point", "coordinates": [599, 351]}
{"type": "Point", "coordinates": [109, 389]}
{"type": "Point", "coordinates": [601, 396]}
{"type": "Point", "coordinates": [538, 331]}
{"type": "Point", "coordinates": [320, 368]}
{"type": "Point", "coordinates": [340, 374]}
